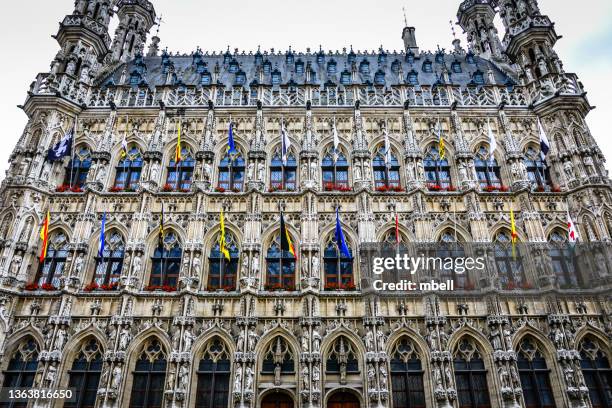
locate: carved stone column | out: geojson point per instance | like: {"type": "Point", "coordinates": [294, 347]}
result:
{"type": "Point", "coordinates": [504, 357]}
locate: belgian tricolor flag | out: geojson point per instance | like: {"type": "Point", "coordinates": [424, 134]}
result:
{"type": "Point", "coordinates": [286, 244]}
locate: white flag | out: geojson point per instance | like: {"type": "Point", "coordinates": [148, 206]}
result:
{"type": "Point", "coordinates": [336, 141]}
{"type": "Point", "coordinates": [387, 149]}
{"type": "Point", "coordinates": [492, 142]}
{"type": "Point", "coordinates": [285, 144]}
{"type": "Point", "coordinates": [572, 232]}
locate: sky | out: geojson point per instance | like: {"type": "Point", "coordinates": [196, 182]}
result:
{"type": "Point", "coordinates": [26, 28]}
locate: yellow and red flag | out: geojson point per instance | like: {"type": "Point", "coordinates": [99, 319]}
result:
{"type": "Point", "coordinates": [286, 244]}
{"type": "Point", "coordinates": [222, 244]}
{"type": "Point", "coordinates": [177, 154]}
{"type": "Point", "coordinates": [44, 236]}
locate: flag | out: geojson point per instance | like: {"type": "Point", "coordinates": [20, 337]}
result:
{"type": "Point", "coordinates": [513, 227]}
{"type": "Point", "coordinates": [397, 233]}
{"type": "Point", "coordinates": [336, 140]}
{"type": "Point", "coordinates": [388, 156]}
{"type": "Point", "coordinates": [340, 241]}
{"type": "Point", "coordinates": [177, 154]}
{"type": "Point", "coordinates": [124, 145]}
{"type": "Point", "coordinates": [231, 146]}
{"type": "Point", "coordinates": [572, 232]}
{"type": "Point", "coordinates": [286, 244]}
{"type": "Point", "coordinates": [62, 148]}
{"type": "Point", "coordinates": [222, 248]}
{"type": "Point", "coordinates": [102, 237]}
{"type": "Point", "coordinates": [44, 236]}
{"type": "Point", "coordinates": [492, 142]}
{"type": "Point", "coordinates": [285, 144]}
{"type": "Point", "coordinates": [441, 145]}
{"type": "Point", "coordinates": [544, 143]}
{"type": "Point", "coordinates": [161, 233]}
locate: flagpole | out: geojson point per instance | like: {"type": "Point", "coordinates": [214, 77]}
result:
{"type": "Point", "coordinates": [74, 130]}
{"type": "Point", "coordinates": [283, 154]}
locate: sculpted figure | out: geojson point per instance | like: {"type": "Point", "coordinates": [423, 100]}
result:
{"type": "Point", "coordinates": [16, 264]}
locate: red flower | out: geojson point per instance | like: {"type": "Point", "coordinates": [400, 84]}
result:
{"type": "Point", "coordinates": [62, 188]}
{"type": "Point", "coordinates": [167, 188]}
{"type": "Point", "coordinates": [397, 189]}
{"type": "Point", "coordinates": [91, 287]}
{"type": "Point", "coordinates": [151, 288]}
{"type": "Point", "coordinates": [48, 286]}
{"type": "Point", "coordinates": [169, 288]}
{"type": "Point", "coordinates": [510, 286]}
{"type": "Point", "coordinates": [235, 190]}
{"type": "Point", "coordinates": [382, 189]}
{"type": "Point", "coordinates": [31, 286]}
{"type": "Point", "coordinates": [490, 189]}
{"type": "Point", "coordinates": [219, 189]}
{"type": "Point", "coordinates": [115, 189]}
{"type": "Point", "coordinates": [451, 188]}
{"type": "Point", "coordinates": [504, 189]}
{"type": "Point", "coordinates": [228, 288]}
{"type": "Point", "coordinates": [350, 286]}
{"type": "Point", "coordinates": [76, 189]}
{"type": "Point", "coordinates": [556, 189]}
{"type": "Point", "coordinates": [434, 187]}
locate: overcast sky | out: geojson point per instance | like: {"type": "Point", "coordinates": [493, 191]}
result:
{"type": "Point", "coordinates": [27, 47]}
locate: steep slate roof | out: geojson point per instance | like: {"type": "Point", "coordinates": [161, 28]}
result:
{"type": "Point", "coordinates": [189, 69]}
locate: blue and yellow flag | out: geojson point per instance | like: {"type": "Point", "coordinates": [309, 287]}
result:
{"type": "Point", "coordinates": [231, 146]}
{"type": "Point", "coordinates": [340, 240]}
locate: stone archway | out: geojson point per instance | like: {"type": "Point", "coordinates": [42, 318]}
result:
{"type": "Point", "coordinates": [343, 400]}
{"type": "Point", "coordinates": [277, 400]}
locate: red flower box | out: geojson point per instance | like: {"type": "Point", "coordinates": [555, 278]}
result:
{"type": "Point", "coordinates": [168, 288]}
{"type": "Point", "coordinates": [434, 187]}
{"type": "Point", "coordinates": [490, 189]}
{"type": "Point", "coordinates": [31, 286]}
{"type": "Point", "coordinates": [228, 288]}
{"type": "Point", "coordinates": [76, 189]}
{"type": "Point", "coordinates": [527, 286]}
{"type": "Point", "coordinates": [350, 287]}
{"type": "Point", "coordinates": [48, 287]}
{"type": "Point", "coordinates": [451, 188]}
{"type": "Point", "coordinates": [504, 189]}
{"type": "Point", "coordinates": [235, 190]}
{"type": "Point", "coordinates": [91, 287]}
{"type": "Point", "coordinates": [219, 189]}
{"type": "Point", "coordinates": [167, 188]}
{"type": "Point", "coordinates": [110, 286]}
{"type": "Point", "coordinates": [115, 189]}
{"type": "Point", "coordinates": [510, 286]}
{"type": "Point", "coordinates": [397, 189]}
{"type": "Point", "coordinates": [151, 288]}
{"type": "Point", "coordinates": [63, 188]}
{"type": "Point", "coordinates": [541, 189]}
{"type": "Point", "coordinates": [382, 189]}
{"type": "Point", "coordinates": [556, 189]}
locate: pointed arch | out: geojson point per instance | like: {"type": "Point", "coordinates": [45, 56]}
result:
{"type": "Point", "coordinates": [488, 169]}
{"type": "Point", "coordinates": [335, 165]}
{"type": "Point", "coordinates": [280, 264]}
{"type": "Point", "coordinates": [82, 366]}
{"type": "Point", "coordinates": [534, 364]}
{"type": "Point", "coordinates": [179, 175]}
{"type": "Point", "coordinates": [473, 370]}
{"type": "Point", "coordinates": [6, 225]}
{"type": "Point", "coordinates": [596, 369]}
{"type": "Point", "coordinates": [166, 261]}
{"type": "Point", "coordinates": [386, 168]}
{"type": "Point", "coordinates": [231, 169]}
{"type": "Point", "coordinates": [128, 170]}
{"type": "Point", "coordinates": [437, 168]}
{"type": "Point", "coordinates": [212, 369]}
{"type": "Point", "coordinates": [77, 171]}
{"type": "Point", "coordinates": [283, 173]}
{"type": "Point", "coordinates": [408, 362]}
{"type": "Point", "coordinates": [55, 261]}
{"type": "Point", "coordinates": [20, 363]}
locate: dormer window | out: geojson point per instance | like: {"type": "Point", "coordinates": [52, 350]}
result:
{"type": "Point", "coordinates": [469, 58]}
{"type": "Point", "coordinates": [258, 58]}
{"type": "Point", "coordinates": [320, 58]}
{"type": "Point", "coordinates": [313, 76]}
{"type": "Point", "coordinates": [427, 67]}
{"type": "Point", "coordinates": [267, 67]}
{"type": "Point", "coordinates": [331, 67]}
{"type": "Point", "coordinates": [382, 58]}
{"type": "Point", "coordinates": [364, 67]}
{"type": "Point", "coordinates": [379, 78]}
{"type": "Point", "coordinates": [290, 59]}
{"type": "Point", "coordinates": [478, 78]}
{"type": "Point", "coordinates": [240, 78]}
{"type": "Point", "coordinates": [299, 67]}
{"type": "Point", "coordinates": [135, 78]}
{"type": "Point", "coordinates": [410, 58]}
{"type": "Point", "coordinates": [233, 67]}
{"type": "Point", "coordinates": [440, 58]}
{"type": "Point", "coordinates": [456, 67]}
{"type": "Point", "coordinates": [206, 78]}
{"type": "Point", "coordinates": [345, 78]}
{"type": "Point", "coordinates": [351, 57]}
{"type": "Point", "coordinates": [413, 77]}
{"type": "Point", "coordinates": [276, 77]}
{"type": "Point", "coordinates": [395, 66]}
{"type": "Point", "coordinates": [200, 67]}
{"type": "Point", "coordinates": [227, 57]}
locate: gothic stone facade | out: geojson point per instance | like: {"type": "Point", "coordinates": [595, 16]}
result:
{"type": "Point", "coordinates": [182, 327]}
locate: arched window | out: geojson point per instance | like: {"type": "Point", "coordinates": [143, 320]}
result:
{"type": "Point", "coordinates": [338, 268]}
{"type": "Point", "coordinates": [108, 268]}
{"type": "Point", "coordinates": [214, 376]}
{"type": "Point", "coordinates": [562, 259]}
{"type": "Point", "coordinates": [166, 262]}
{"type": "Point", "coordinates": [53, 265]}
{"type": "Point", "coordinates": [342, 359]}
{"type": "Point", "coordinates": [280, 266]}
{"type": "Point", "coordinates": [478, 78]}
{"type": "Point", "coordinates": [450, 247]}
{"type": "Point", "coordinates": [364, 67]}
{"type": "Point", "coordinates": [386, 172]}
{"type": "Point", "coordinates": [538, 173]}
{"type": "Point", "coordinates": [427, 66]}
{"type": "Point", "coordinates": [222, 273]}
{"type": "Point", "coordinates": [470, 376]}
{"type": "Point", "coordinates": [149, 376]}
{"type": "Point", "coordinates": [78, 168]}
{"type": "Point", "coordinates": [129, 170]}
{"type": "Point", "coordinates": [456, 67]}
{"type": "Point", "coordinates": [21, 369]}
{"type": "Point", "coordinates": [437, 170]}
{"type": "Point", "coordinates": [597, 373]}
{"type": "Point", "coordinates": [508, 262]}
{"type": "Point", "coordinates": [488, 170]}
{"type": "Point", "coordinates": [180, 176]}
{"type": "Point", "coordinates": [534, 374]}
{"type": "Point", "coordinates": [85, 375]}
{"type": "Point", "coordinates": [335, 172]}
{"type": "Point", "coordinates": [406, 376]}
{"type": "Point", "coordinates": [413, 77]}
{"type": "Point", "coordinates": [231, 172]}
{"type": "Point", "coordinates": [278, 359]}
{"type": "Point", "coordinates": [283, 177]}
{"type": "Point", "coordinates": [6, 225]}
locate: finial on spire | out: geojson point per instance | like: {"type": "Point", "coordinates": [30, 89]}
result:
{"type": "Point", "coordinates": [405, 19]}
{"type": "Point", "coordinates": [158, 22]}
{"type": "Point", "coordinates": [452, 28]}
